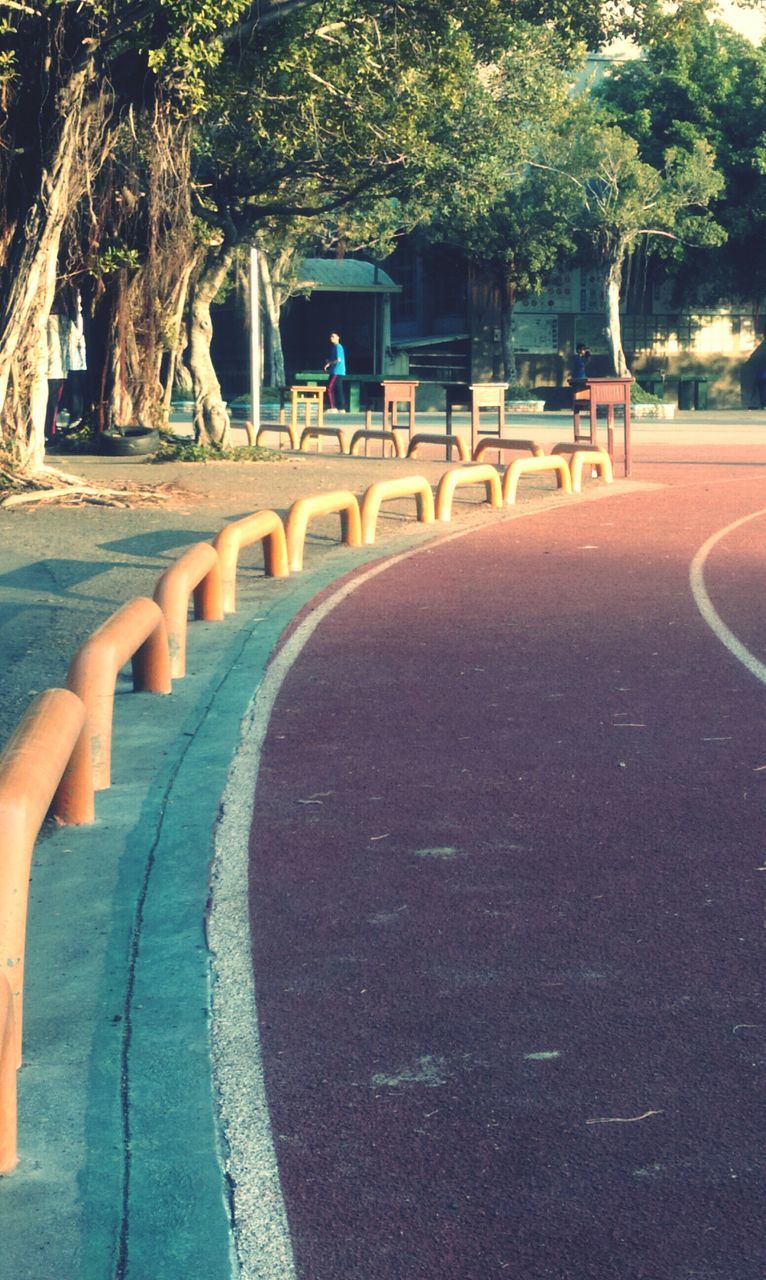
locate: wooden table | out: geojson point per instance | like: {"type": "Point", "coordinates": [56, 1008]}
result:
{"type": "Point", "coordinates": [304, 397]}
{"type": "Point", "coordinates": [607, 392]}
{"type": "Point", "coordinates": [486, 395]}
{"type": "Point", "coordinates": [395, 393]}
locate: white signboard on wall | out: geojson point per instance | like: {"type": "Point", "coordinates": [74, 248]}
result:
{"type": "Point", "coordinates": [561, 293]}
{"type": "Point", "coordinates": [535, 335]}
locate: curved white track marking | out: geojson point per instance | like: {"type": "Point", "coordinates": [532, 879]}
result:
{"type": "Point", "coordinates": [261, 1225]}
{"type": "Point", "coordinates": [707, 608]}
{"type": "Point", "coordinates": [260, 1217]}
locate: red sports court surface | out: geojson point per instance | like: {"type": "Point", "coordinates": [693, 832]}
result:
{"type": "Point", "coordinates": [507, 899]}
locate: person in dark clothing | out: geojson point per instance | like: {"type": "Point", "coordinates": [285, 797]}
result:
{"type": "Point", "coordinates": [580, 363]}
{"type": "Point", "coordinates": [336, 368]}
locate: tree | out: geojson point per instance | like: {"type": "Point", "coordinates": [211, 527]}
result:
{"type": "Point", "coordinates": [625, 201]}
{"type": "Point", "coordinates": [519, 225]}
{"type": "Point", "coordinates": [69, 74]}
{"type": "Point", "coordinates": [342, 125]}
{"type": "Point", "coordinates": [699, 80]}
{"type": "Point", "coordinates": [73, 76]}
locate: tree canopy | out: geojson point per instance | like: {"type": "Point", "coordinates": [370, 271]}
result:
{"type": "Point", "coordinates": [701, 82]}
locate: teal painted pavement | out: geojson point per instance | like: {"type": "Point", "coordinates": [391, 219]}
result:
{"type": "Point", "coordinates": [120, 1162]}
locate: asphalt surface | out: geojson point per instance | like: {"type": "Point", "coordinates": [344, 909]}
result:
{"type": "Point", "coordinates": [506, 894]}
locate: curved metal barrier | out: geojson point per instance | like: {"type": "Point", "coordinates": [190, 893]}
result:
{"type": "Point", "coordinates": [197, 571]}
{"type": "Point", "coordinates": [317, 433]}
{"type": "Point", "coordinates": [583, 455]}
{"type": "Point", "coordinates": [482, 473]}
{"type": "Point", "coordinates": [8, 1112]}
{"type": "Point", "coordinates": [525, 466]}
{"type": "Point", "coordinates": [464, 453]}
{"type": "Point", "coordinates": [50, 736]}
{"type": "Point", "coordinates": [502, 444]}
{"type": "Point", "coordinates": [339, 500]}
{"type": "Point", "coordinates": [262, 526]}
{"type": "Point", "coordinates": [408, 486]}
{"type": "Point", "coordinates": [388, 437]}
{"type": "Point", "coordinates": [282, 429]}
{"type": "Point", "coordinates": [136, 631]}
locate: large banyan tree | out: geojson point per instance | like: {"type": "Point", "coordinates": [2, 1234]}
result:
{"type": "Point", "coordinates": [98, 101]}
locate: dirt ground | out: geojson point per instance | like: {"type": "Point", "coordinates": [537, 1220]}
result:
{"type": "Point", "coordinates": [64, 570]}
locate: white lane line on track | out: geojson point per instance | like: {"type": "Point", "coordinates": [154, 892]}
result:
{"type": "Point", "coordinates": [707, 608]}
{"type": "Point", "coordinates": [261, 1224]}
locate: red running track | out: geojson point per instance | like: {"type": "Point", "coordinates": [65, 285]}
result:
{"type": "Point", "coordinates": [507, 897]}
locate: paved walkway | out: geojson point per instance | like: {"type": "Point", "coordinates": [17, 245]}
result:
{"type": "Point", "coordinates": [507, 901]}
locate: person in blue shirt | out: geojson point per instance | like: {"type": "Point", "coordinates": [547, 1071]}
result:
{"type": "Point", "coordinates": [336, 368]}
{"type": "Point", "coordinates": [580, 363]}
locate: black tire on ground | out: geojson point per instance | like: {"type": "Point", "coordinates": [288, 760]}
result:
{"type": "Point", "coordinates": [134, 440]}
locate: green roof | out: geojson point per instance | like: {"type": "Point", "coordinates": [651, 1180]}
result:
{"type": "Point", "coordinates": [344, 275]}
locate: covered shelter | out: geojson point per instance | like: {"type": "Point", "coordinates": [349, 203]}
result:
{"type": "Point", "coordinates": [349, 296]}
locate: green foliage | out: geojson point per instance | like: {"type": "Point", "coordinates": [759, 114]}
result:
{"type": "Point", "coordinates": [700, 83]}
{"type": "Point", "coordinates": [173, 450]}
{"type": "Point", "coordinates": [625, 199]}
{"type": "Point", "coordinates": [639, 396]}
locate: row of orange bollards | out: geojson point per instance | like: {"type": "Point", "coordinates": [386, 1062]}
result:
{"type": "Point", "coordinates": [60, 754]}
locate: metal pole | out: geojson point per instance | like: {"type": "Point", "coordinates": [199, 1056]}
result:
{"type": "Point", "coordinates": [255, 342]}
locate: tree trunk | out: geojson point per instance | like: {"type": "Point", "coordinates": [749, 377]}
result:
{"type": "Point", "coordinates": [177, 336]}
{"type": "Point", "coordinates": [28, 272]}
{"type": "Point", "coordinates": [274, 355]}
{"type": "Point", "coordinates": [613, 325]}
{"type": "Point", "coordinates": [211, 417]}
{"type": "Point", "coordinates": [507, 299]}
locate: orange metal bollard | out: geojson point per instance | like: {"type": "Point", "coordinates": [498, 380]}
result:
{"type": "Point", "coordinates": [281, 429]}
{"type": "Point", "coordinates": [360, 438]}
{"type": "Point", "coordinates": [135, 631]}
{"type": "Point", "coordinates": [322, 504]}
{"type": "Point", "coordinates": [526, 466]}
{"type": "Point", "coordinates": [31, 767]}
{"type": "Point", "coordinates": [479, 473]}
{"type": "Point", "coordinates": [500, 443]}
{"type": "Point", "coordinates": [198, 570]}
{"type": "Point", "coordinates": [449, 442]}
{"type": "Point", "coordinates": [583, 455]}
{"type": "Point", "coordinates": [8, 1109]}
{"type": "Point", "coordinates": [408, 486]}
{"type": "Point", "coordinates": [262, 526]}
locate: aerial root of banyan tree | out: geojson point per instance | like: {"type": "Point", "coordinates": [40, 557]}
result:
{"type": "Point", "coordinates": [49, 485]}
